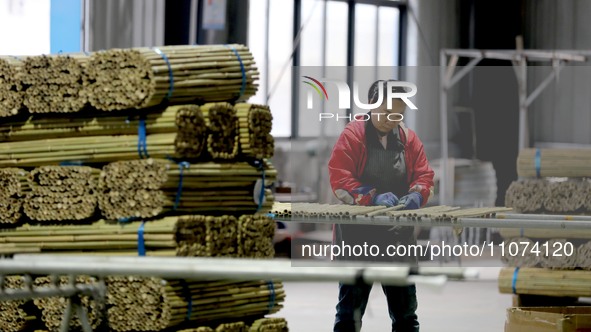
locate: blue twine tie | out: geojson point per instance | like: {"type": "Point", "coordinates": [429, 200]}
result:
{"type": "Point", "coordinates": [170, 75]}
{"type": "Point", "coordinates": [272, 295]}
{"type": "Point", "coordinates": [243, 87]}
{"type": "Point", "coordinates": [142, 142]}
{"type": "Point", "coordinates": [71, 163]}
{"type": "Point", "coordinates": [141, 244]}
{"type": "Point", "coordinates": [538, 161]}
{"type": "Point", "coordinates": [179, 191]}
{"type": "Point", "coordinates": [514, 282]}
{"type": "Point", "coordinates": [188, 298]}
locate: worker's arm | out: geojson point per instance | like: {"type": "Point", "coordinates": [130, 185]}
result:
{"type": "Point", "coordinates": [343, 170]}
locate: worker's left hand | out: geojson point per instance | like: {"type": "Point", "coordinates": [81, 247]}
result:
{"type": "Point", "coordinates": [412, 201]}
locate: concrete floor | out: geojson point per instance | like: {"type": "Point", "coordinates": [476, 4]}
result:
{"type": "Point", "coordinates": [460, 306]}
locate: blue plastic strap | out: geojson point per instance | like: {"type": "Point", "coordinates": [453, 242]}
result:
{"type": "Point", "coordinates": [538, 162]}
{"type": "Point", "coordinates": [71, 163]}
{"type": "Point", "coordinates": [142, 143]}
{"type": "Point", "coordinates": [271, 215]}
{"type": "Point", "coordinates": [272, 295]}
{"type": "Point", "coordinates": [141, 244]}
{"type": "Point", "coordinates": [514, 282]}
{"type": "Point", "coordinates": [179, 191]}
{"type": "Point", "coordinates": [243, 87]}
{"type": "Point", "coordinates": [188, 298]}
{"type": "Point", "coordinates": [170, 75]}
{"type": "Point", "coordinates": [127, 220]}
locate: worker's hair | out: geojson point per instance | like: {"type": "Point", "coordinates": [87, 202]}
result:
{"type": "Point", "coordinates": [373, 92]}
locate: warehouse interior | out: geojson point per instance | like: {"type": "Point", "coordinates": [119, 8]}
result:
{"type": "Point", "coordinates": [173, 165]}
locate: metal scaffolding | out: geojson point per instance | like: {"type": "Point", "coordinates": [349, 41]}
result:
{"type": "Point", "coordinates": [519, 60]}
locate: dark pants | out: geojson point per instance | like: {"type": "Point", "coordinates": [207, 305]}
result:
{"type": "Point", "coordinates": [402, 304]}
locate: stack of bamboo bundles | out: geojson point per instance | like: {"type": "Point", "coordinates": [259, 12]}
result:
{"type": "Point", "coordinates": [260, 325]}
{"type": "Point", "coordinates": [554, 163]}
{"type": "Point", "coordinates": [61, 193]}
{"type": "Point", "coordinates": [246, 236]}
{"type": "Point", "coordinates": [53, 308]}
{"type": "Point", "coordinates": [223, 138]}
{"type": "Point", "coordinates": [55, 83]}
{"type": "Point", "coordinates": [553, 253]}
{"type": "Point", "coordinates": [146, 188]}
{"type": "Point", "coordinates": [536, 281]}
{"type": "Point", "coordinates": [549, 196]}
{"type": "Point", "coordinates": [14, 184]}
{"type": "Point", "coordinates": [11, 91]}
{"type": "Point", "coordinates": [17, 315]}
{"type": "Point", "coordinates": [255, 130]}
{"type": "Point", "coordinates": [152, 304]}
{"type": "Point", "coordinates": [144, 77]}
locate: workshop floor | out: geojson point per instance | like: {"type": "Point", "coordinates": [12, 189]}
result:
{"type": "Point", "coordinates": [459, 306]}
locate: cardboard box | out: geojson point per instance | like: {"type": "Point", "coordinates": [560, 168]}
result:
{"type": "Point", "coordinates": [548, 319]}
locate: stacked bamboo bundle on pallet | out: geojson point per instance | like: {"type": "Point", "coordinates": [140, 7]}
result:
{"type": "Point", "coordinates": [11, 90]}
{"type": "Point", "coordinates": [554, 253]}
{"type": "Point", "coordinates": [61, 193]}
{"type": "Point", "coordinates": [192, 131]}
{"type": "Point", "coordinates": [16, 315]}
{"type": "Point", "coordinates": [152, 304]}
{"type": "Point", "coordinates": [55, 83]}
{"type": "Point", "coordinates": [554, 163]}
{"type": "Point", "coordinates": [223, 137]}
{"type": "Point", "coordinates": [144, 77]}
{"type": "Point", "coordinates": [255, 123]}
{"type": "Point", "coordinates": [53, 308]}
{"type": "Point", "coordinates": [247, 236]}
{"type": "Point", "coordinates": [203, 187]}
{"type": "Point", "coordinates": [536, 281]}
{"type": "Point", "coordinates": [549, 196]}
{"type": "Point", "coordinates": [14, 184]}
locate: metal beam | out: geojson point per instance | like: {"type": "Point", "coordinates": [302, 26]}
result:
{"type": "Point", "coordinates": [381, 3]}
{"type": "Point", "coordinates": [295, 73]}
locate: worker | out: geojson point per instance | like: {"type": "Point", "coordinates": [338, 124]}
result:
{"type": "Point", "coordinates": [379, 161]}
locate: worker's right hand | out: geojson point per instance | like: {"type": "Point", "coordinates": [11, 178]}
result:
{"type": "Point", "coordinates": [387, 199]}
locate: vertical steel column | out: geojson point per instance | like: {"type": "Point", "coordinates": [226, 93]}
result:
{"type": "Point", "coordinates": [522, 84]}
{"type": "Point", "coordinates": [351, 50]}
{"type": "Point", "coordinates": [266, 63]}
{"type": "Point", "coordinates": [443, 128]}
{"type": "Point", "coordinates": [295, 73]}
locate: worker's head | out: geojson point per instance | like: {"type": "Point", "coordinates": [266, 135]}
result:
{"type": "Point", "coordinates": [383, 118]}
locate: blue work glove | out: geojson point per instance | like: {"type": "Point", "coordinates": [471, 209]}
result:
{"type": "Point", "coordinates": [387, 199]}
{"type": "Point", "coordinates": [412, 201]}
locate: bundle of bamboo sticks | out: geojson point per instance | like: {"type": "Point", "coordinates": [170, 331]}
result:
{"type": "Point", "coordinates": [186, 188]}
{"type": "Point", "coordinates": [554, 163]}
{"type": "Point", "coordinates": [255, 236]}
{"type": "Point", "coordinates": [132, 188]}
{"type": "Point", "coordinates": [61, 193]}
{"type": "Point", "coordinates": [270, 325]}
{"type": "Point", "coordinates": [144, 77]}
{"type": "Point", "coordinates": [549, 196]}
{"type": "Point", "coordinates": [248, 236]}
{"type": "Point", "coordinates": [255, 124]}
{"type": "Point", "coordinates": [152, 304]}
{"type": "Point", "coordinates": [192, 131]}
{"type": "Point", "coordinates": [53, 308]}
{"type": "Point", "coordinates": [553, 253]}
{"type": "Point", "coordinates": [55, 83]}
{"type": "Point", "coordinates": [275, 324]}
{"type": "Point", "coordinates": [536, 281]}
{"type": "Point", "coordinates": [14, 184]}
{"type": "Point", "coordinates": [223, 137]}
{"type": "Point", "coordinates": [11, 89]}
{"type": "Point", "coordinates": [17, 315]}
